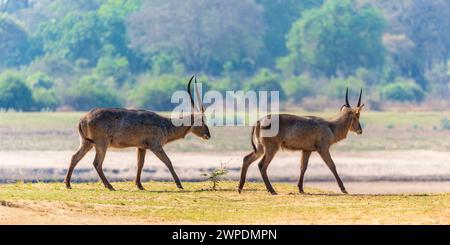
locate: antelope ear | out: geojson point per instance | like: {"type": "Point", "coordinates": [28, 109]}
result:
{"type": "Point", "coordinates": [359, 109]}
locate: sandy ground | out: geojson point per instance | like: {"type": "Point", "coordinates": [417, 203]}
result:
{"type": "Point", "coordinates": [386, 187]}
{"type": "Point", "coordinates": [29, 213]}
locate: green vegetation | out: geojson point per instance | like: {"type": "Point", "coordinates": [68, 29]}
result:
{"type": "Point", "coordinates": [15, 42]}
{"type": "Point", "coordinates": [43, 94]}
{"type": "Point", "coordinates": [157, 92]}
{"type": "Point", "coordinates": [338, 37]}
{"type": "Point", "coordinates": [12, 87]}
{"type": "Point", "coordinates": [215, 176]}
{"type": "Point", "coordinates": [445, 123]}
{"type": "Point", "coordinates": [81, 54]}
{"type": "Point", "coordinates": [164, 204]}
{"type": "Point", "coordinates": [88, 93]}
{"type": "Point", "coordinates": [402, 91]}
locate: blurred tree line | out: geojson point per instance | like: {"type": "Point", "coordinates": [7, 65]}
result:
{"type": "Point", "coordinates": [80, 54]}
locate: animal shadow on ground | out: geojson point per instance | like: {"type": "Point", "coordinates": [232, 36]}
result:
{"type": "Point", "coordinates": [253, 190]}
{"type": "Point", "coordinates": [149, 190]}
{"type": "Point", "coordinates": [200, 190]}
{"type": "Point", "coordinates": [362, 195]}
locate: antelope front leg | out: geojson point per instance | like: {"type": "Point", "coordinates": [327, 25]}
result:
{"type": "Point", "coordinates": [98, 164]}
{"type": "Point", "coordinates": [303, 167]}
{"type": "Point", "coordinates": [84, 148]}
{"type": "Point", "coordinates": [263, 165]}
{"type": "Point", "coordinates": [325, 154]}
{"type": "Point", "coordinates": [140, 165]}
{"type": "Point", "coordinates": [159, 152]}
{"type": "Point", "coordinates": [249, 159]}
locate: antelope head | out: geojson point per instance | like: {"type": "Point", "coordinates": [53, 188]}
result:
{"type": "Point", "coordinates": [353, 113]}
{"type": "Point", "coordinates": [199, 127]}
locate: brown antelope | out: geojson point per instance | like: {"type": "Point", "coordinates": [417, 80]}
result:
{"type": "Point", "coordinates": [306, 134]}
{"type": "Point", "coordinates": [120, 128]}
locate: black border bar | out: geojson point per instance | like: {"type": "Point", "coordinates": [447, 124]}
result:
{"type": "Point", "coordinates": [167, 233]}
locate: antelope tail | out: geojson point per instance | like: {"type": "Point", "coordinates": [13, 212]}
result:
{"type": "Point", "coordinates": [81, 125]}
{"type": "Point", "coordinates": [255, 136]}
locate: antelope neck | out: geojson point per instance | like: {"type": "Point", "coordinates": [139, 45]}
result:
{"type": "Point", "coordinates": [178, 132]}
{"type": "Point", "coordinates": [340, 126]}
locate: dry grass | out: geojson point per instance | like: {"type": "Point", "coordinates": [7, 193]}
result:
{"type": "Point", "coordinates": [162, 203]}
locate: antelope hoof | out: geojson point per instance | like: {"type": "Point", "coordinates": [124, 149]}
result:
{"type": "Point", "coordinates": [301, 192]}
{"type": "Point", "coordinates": [180, 186]}
{"type": "Point", "coordinates": [274, 193]}
{"type": "Point", "coordinates": [68, 186]}
{"type": "Point", "coordinates": [140, 187]}
{"type": "Point", "coordinates": [110, 188]}
{"type": "Point", "coordinates": [344, 191]}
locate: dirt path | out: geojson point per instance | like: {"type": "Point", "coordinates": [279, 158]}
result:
{"type": "Point", "coordinates": [48, 213]}
{"type": "Point", "coordinates": [386, 187]}
{"type": "Point", "coordinates": [33, 214]}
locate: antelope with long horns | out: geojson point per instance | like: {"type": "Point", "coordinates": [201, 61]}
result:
{"type": "Point", "coordinates": [306, 134]}
{"type": "Point", "coordinates": [145, 130]}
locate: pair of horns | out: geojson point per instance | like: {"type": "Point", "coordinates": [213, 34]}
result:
{"type": "Point", "coordinates": [346, 99]}
{"type": "Point", "coordinates": [197, 94]}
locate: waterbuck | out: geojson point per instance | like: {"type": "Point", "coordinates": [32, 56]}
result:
{"type": "Point", "coordinates": [121, 128]}
{"type": "Point", "coordinates": [306, 134]}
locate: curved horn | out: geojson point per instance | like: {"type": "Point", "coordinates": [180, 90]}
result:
{"type": "Point", "coordinates": [346, 99]}
{"type": "Point", "coordinates": [198, 96]}
{"type": "Point", "coordinates": [359, 101]}
{"type": "Point", "coordinates": [189, 92]}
